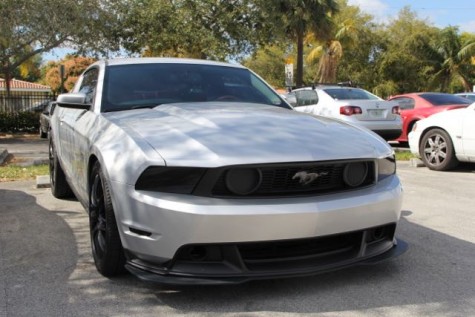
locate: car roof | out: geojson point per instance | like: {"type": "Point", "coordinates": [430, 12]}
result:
{"type": "Point", "coordinates": [412, 94]}
{"type": "Point", "coordinates": [163, 60]}
{"type": "Point", "coordinates": [321, 87]}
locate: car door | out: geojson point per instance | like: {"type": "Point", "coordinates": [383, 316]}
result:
{"type": "Point", "coordinates": [73, 137]}
{"type": "Point", "coordinates": [468, 134]}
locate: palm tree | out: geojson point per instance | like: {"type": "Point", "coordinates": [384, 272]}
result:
{"type": "Point", "coordinates": [451, 59]}
{"type": "Point", "coordinates": [328, 53]}
{"type": "Point", "coordinates": [302, 16]}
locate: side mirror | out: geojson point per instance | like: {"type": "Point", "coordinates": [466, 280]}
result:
{"type": "Point", "coordinates": [73, 100]}
{"type": "Point", "coordinates": [291, 99]}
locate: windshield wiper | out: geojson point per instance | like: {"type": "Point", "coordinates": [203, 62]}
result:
{"type": "Point", "coordinates": [148, 105]}
{"type": "Point", "coordinates": [142, 106]}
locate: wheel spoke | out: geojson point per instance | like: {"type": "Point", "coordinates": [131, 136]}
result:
{"type": "Point", "coordinates": [431, 142]}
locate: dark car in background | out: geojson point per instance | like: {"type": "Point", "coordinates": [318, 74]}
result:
{"type": "Point", "coordinates": [44, 119]}
{"type": "Point", "coordinates": [417, 106]}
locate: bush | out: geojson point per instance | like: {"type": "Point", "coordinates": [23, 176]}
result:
{"type": "Point", "coordinates": [19, 122]}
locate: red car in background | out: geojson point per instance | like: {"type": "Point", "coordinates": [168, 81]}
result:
{"type": "Point", "coordinates": [417, 106]}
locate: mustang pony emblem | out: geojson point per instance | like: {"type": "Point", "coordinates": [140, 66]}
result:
{"type": "Point", "coordinates": [307, 178]}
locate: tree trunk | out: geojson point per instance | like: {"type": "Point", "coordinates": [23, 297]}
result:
{"type": "Point", "coordinates": [8, 79]}
{"type": "Point", "coordinates": [299, 75]}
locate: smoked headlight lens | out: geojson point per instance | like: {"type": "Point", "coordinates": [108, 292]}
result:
{"type": "Point", "coordinates": [386, 167]}
{"type": "Point", "coordinates": [180, 180]}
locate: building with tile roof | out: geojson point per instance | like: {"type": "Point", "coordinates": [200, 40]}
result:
{"type": "Point", "coordinates": [24, 96]}
{"type": "Point", "coordinates": [21, 86]}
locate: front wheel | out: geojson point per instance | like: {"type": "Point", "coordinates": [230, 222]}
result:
{"type": "Point", "coordinates": [437, 151]}
{"type": "Point", "coordinates": [105, 239]}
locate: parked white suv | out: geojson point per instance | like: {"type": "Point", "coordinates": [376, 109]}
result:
{"type": "Point", "coordinates": [350, 104]}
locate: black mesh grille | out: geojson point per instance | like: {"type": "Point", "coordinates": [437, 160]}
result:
{"type": "Point", "coordinates": [281, 180]}
{"type": "Point", "coordinates": [300, 248]}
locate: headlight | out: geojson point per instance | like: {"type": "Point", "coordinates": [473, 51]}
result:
{"type": "Point", "coordinates": [386, 167]}
{"type": "Point", "coordinates": [180, 180]}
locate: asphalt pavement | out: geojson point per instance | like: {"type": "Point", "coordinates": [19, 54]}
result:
{"type": "Point", "coordinates": [29, 150]}
{"type": "Point", "coordinates": [46, 268]}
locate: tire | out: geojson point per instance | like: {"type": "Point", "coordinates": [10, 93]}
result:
{"type": "Point", "coordinates": [106, 246]}
{"type": "Point", "coordinates": [437, 150]}
{"type": "Point", "coordinates": [59, 185]}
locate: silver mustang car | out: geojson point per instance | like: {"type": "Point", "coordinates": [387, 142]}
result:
{"type": "Point", "coordinates": [194, 171]}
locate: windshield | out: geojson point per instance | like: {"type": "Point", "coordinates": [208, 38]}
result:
{"type": "Point", "coordinates": [148, 85]}
{"type": "Point", "coordinates": [445, 99]}
{"type": "Point", "coordinates": [350, 94]}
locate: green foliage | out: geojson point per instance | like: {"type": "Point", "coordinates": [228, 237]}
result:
{"type": "Point", "coordinates": [451, 60]}
{"type": "Point", "coordinates": [296, 18]}
{"type": "Point", "coordinates": [187, 28]}
{"type": "Point", "coordinates": [29, 28]}
{"type": "Point", "coordinates": [24, 121]}
{"type": "Point", "coordinates": [268, 63]}
{"type": "Point", "coordinates": [403, 55]}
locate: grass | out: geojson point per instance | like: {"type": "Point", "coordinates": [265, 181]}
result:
{"type": "Point", "coordinates": [15, 173]}
{"type": "Point", "coordinates": [404, 155]}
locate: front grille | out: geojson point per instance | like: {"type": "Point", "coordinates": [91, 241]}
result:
{"type": "Point", "coordinates": [280, 180]}
{"type": "Point", "coordinates": [300, 248]}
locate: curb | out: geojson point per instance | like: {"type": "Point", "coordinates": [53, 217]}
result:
{"type": "Point", "coordinates": [42, 181]}
{"type": "Point", "coordinates": [3, 155]}
{"type": "Point", "coordinates": [415, 162]}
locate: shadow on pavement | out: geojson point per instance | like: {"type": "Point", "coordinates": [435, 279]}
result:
{"type": "Point", "coordinates": [48, 271]}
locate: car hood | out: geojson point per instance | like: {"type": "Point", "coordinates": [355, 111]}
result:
{"type": "Point", "coordinates": [217, 134]}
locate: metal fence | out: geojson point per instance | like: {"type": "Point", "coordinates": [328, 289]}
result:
{"type": "Point", "coordinates": [25, 102]}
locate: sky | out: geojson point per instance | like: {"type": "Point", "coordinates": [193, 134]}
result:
{"type": "Point", "coordinates": [441, 13]}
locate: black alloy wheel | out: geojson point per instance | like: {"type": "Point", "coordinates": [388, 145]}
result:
{"type": "Point", "coordinates": [105, 239]}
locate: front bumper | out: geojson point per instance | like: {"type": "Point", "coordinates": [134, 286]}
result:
{"type": "Point", "coordinates": [234, 269]}
{"type": "Point", "coordinates": [155, 227]}
{"type": "Point", "coordinates": [413, 138]}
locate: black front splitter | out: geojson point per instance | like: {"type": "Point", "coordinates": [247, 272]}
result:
{"type": "Point", "coordinates": [173, 278]}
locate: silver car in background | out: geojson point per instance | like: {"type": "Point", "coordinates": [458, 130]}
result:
{"type": "Point", "coordinates": [194, 171]}
{"type": "Point", "coordinates": [352, 105]}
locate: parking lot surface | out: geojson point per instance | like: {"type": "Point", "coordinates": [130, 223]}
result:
{"type": "Point", "coordinates": [46, 268]}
